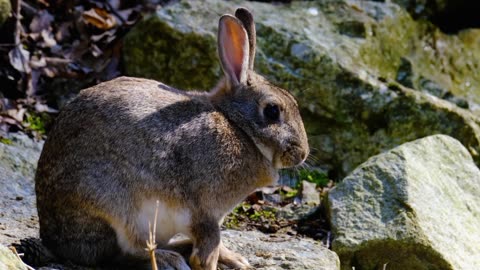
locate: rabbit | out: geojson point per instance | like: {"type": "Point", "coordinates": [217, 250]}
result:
{"type": "Point", "coordinates": [122, 145]}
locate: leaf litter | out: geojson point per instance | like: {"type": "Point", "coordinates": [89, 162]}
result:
{"type": "Point", "coordinates": [50, 50]}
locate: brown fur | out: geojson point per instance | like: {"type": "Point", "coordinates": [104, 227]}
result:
{"type": "Point", "coordinates": [129, 139]}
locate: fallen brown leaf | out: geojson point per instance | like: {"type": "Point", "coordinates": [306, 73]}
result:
{"type": "Point", "coordinates": [99, 18]}
{"type": "Point", "coordinates": [19, 59]}
{"type": "Point", "coordinates": [42, 21]}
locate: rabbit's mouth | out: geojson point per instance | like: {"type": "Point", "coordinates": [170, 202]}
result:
{"type": "Point", "coordinates": [293, 156]}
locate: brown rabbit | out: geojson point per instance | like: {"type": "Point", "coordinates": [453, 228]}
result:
{"type": "Point", "coordinates": [124, 144]}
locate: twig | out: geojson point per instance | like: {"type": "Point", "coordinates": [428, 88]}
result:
{"type": "Point", "coordinates": [151, 245]}
{"type": "Point", "coordinates": [55, 61]}
{"type": "Point", "coordinates": [14, 250]}
{"type": "Point", "coordinates": [28, 84]}
{"type": "Point", "coordinates": [18, 24]}
{"type": "Point", "coordinates": [28, 8]}
{"type": "Point", "coordinates": [8, 44]}
{"type": "Point", "coordinates": [18, 29]}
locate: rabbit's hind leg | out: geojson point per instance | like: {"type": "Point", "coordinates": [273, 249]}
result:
{"type": "Point", "coordinates": [136, 256]}
{"type": "Point", "coordinates": [79, 238]}
{"type": "Point", "coordinates": [92, 241]}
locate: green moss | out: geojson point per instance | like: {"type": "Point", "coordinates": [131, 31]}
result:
{"type": "Point", "coordinates": [231, 222]}
{"type": "Point", "coordinates": [182, 60]}
{"type": "Point", "coordinates": [387, 43]}
{"type": "Point", "coordinates": [289, 195]}
{"type": "Point", "coordinates": [6, 141]}
{"type": "Point", "coordinates": [313, 176]}
{"type": "Point", "coordinates": [38, 122]}
{"type": "Point", "coordinates": [398, 255]}
{"type": "Point", "coordinates": [5, 9]}
{"type": "Point", "coordinates": [247, 212]}
{"type": "Point", "coordinates": [451, 61]}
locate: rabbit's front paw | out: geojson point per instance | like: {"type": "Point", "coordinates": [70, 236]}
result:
{"type": "Point", "coordinates": [204, 261]}
{"type": "Point", "coordinates": [232, 260]}
{"type": "Point", "coordinates": [170, 260]}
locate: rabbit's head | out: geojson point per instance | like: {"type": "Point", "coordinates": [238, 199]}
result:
{"type": "Point", "coordinates": [268, 114]}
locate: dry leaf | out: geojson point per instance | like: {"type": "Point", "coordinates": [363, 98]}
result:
{"type": "Point", "coordinates": [63, 31]}
{"type": "Point", "coordinates": [38, 61]}
{"type": "Point", "coordinates": [96, 52]}
{"type": "Point", "coordinates": [9, 120]}
{"type": "Point", "coordinates": [129, 16]}
{"type": "Point", "coordinates": [48, 39]}
{"type": "Point", "coordinates": [42, 21]}
{"type": "Point", "coordinates": [107, 36]}
{"type": "Point", "coordinates": [269, 189]}
{"type": "Point", "coordinates": [115, 4]}
{"type": "Point", "coordinates": [44, 108]}
{"type": "Point", "coordinates": [19, 59]}
{"type": "Point", "coordinates": [17, 114]}
{"type": "Point", "coordinates": [99, 18]}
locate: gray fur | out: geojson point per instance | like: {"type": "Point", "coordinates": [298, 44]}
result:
{"type": "Point", "coordinates": [129, 139]}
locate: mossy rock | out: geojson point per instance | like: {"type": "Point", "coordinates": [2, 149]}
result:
{"type": "Point", "coordinates": [413, 207]}
{"type": "Point", "coordinates": [339, 59]}
{"type": "Point", "coordinates": [180, 58]}
{"type": "Point", "coordinates": [393, 255]}
{"type": "Point", "coordinates": [451, 61]}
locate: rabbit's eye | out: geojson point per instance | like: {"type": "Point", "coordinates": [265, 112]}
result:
{"type": "Point", "coordinates": [272, 112]}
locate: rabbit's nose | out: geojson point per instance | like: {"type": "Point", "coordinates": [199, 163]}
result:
{"type": "Point", "coordinates": [305, 151]}
{"type": "Point", "coordinates": [304, 155]}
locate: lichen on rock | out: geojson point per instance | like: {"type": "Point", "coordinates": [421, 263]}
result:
{"type": "Point", "coordinates": [182, 59]}
{"type": "Point", "coordinates": [269, 252]}
{"type": "Point", "coordinates": [413, 207]}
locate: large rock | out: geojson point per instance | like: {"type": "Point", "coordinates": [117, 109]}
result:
{"type": "Point", "coordinates": [270, 253]}
{"type": "Point", "coordinates": [414, 207]}
{"type": "Point", "coordinates": [350, 64]}
{"type": "Point", "coordinates": [9, 261]}
{"type": "Point", "coordinates": [18, 161]}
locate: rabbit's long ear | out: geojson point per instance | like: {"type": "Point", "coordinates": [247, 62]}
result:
{"type": "Point", "coordinates": [247, 19]}
{"type": "Point", "coordinates": [233, 49]}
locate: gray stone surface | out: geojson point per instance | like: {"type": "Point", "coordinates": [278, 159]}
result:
{"type": "Point", "coordinates": [270, 253]}
{"type": "Point", "coordinates": [414, 207]}
{"type": "Point", "coordinates": [310, 195]}
{"type": "Point", "coordinates": [341, 60]}
{"type": "Point", "coordinates": [18, 215]}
